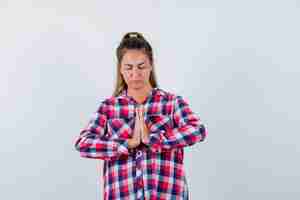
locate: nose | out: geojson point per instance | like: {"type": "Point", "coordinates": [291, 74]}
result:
{"type": "Point", "coordinates": [135, 72]}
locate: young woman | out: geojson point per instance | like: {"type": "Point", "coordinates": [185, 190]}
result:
{"type": "Point", "coordinates": [140, 131]}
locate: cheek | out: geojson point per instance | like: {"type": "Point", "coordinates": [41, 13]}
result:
{"type": "Point", "coordinates": [148, 74]}
{"type": "Point", "coordinates": [125, 77]}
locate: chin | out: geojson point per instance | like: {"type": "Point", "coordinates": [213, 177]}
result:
{"type": "Point", "coordinates": [137, 86]}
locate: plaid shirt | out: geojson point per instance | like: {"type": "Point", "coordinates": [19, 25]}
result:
{"type": "Point", "coordinates": [152, 171]}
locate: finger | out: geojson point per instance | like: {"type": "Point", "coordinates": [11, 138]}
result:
{"type": "Point", "coordinates": [137, 114]}
{"type": "Point", "coordinates": [142, 112]}
{"type": "Point", "coordinates": [141, 121]}
{"type": "Point", "coordinates": [137, 120]}
{"type": "Point", "coordinates": [137, 127]}
{"type": "Point", "coordinates": [142, 117]}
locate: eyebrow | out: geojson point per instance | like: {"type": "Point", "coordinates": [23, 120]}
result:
{"type": "Point", "coordinates": [132, 65]}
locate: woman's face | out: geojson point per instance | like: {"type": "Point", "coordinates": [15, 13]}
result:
{"type": "Point", "coordinates": [136, 69]}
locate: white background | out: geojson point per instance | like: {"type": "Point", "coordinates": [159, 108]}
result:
{"type": "Point", "coordinates": [237, 62]}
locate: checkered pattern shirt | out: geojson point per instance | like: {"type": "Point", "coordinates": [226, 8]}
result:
{"type": "Point", "coordinates": [152, 171]}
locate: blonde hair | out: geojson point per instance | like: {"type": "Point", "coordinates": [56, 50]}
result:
{"type": "Point", "coordinates": [133, 40]}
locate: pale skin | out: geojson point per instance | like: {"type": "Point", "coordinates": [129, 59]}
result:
{"type": "Point", "coordinates": [136, 69]}
{"type": "Point", "coordinates": [140, 133]}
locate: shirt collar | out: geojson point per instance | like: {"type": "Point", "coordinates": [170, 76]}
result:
{"type": "Point", "coordinates": [154, 91]}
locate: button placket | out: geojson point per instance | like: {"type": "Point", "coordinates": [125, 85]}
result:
{"type": "Point", "coordinates": [138, 156]}
{"type": "Point", "coordinates": [139, 173]}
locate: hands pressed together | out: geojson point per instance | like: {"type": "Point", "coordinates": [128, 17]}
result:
{"type": "Point", "coordinates": [140, 132]}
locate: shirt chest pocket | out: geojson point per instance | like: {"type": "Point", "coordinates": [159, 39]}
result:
{"type": "Point", "coordinates": [119, 128]}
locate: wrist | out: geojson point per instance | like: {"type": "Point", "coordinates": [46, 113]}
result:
{"type": "Point", "coordinates": [132, 143]}
{"type": "Point", "coordinates": [146, 140]}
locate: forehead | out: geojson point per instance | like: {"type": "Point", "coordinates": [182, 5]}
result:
{"type": "Point", "coordinates": [134, 56]}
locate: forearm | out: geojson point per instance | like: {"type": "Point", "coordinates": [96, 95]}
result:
{"type": "Point", "coordinates": [186, 135]}
{"type": "Point", "coordinates": [91, 146]}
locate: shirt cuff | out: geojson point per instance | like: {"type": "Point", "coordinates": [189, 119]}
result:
{"type": "Point", "coordinates": [154, 141]}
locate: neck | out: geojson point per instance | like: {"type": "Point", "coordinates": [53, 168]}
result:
{"type": "Point", "coordinates": [139, 94]}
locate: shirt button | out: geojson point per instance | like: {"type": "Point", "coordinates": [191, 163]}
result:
{"type": "Point", "coordinates": [139, 153]}
{"type": "Point", "coordinates": [138, 172]}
